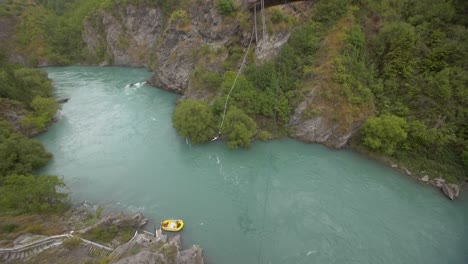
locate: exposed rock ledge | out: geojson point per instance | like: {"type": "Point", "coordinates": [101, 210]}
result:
{"type": "Point", "coordinates": [318, 129]}
{"type": "Point", "coordinates": [452, 191]}
{"type": "Point", "coordinates": [156, 250]}
{"type": "Point", "coordinates": [73, 247]}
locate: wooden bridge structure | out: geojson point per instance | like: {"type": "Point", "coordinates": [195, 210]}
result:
{"type": "Point", "coordinates": [251, 4]}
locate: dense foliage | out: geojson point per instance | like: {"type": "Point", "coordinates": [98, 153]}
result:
{"type": "Point", "coordinates": [199, 122]}
{"type": "Point", "coordinates": [25, 95]}
{"type": "Point", "coordinates": [400, 64]}
{"type": "Point", "coordinates": [23, 192]}
{"type": "Point", "coordinates": [384, 133]}
{"type": "Point", "coordinates": [404, 62]}
{"type": "Point", "coordinates": [28, 89]}
{"type": "Point", "coordinates": [226, 7]}
{"type": "Point", "coordinates": [22, 84]}
{"type": "Point", "coordinates": [194, 119]}
{"type": "Point", "coordinates": [18, 154]}
{"type": "Point", "coordinates": [240, 128]}
{"type": "Point", "coordinates": [44, 111]}
{"type": "Point", "coordinates": [32, 194]}
{"type": "Point", "coordinates": [421, 64]}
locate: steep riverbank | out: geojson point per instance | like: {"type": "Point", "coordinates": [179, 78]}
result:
{"type": "Point", "coordinates": [93, 235]}
{"type": "Point", "coordinates": [318, 71]}
{"type": "Point", "coordinates": [450, 190]}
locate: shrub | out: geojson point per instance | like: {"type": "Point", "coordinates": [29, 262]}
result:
{"type": "Point", "coordinates": [263, 135]}
{"type": "Point", "coordinates": [194, 120]}
{"type": "Point", "coordinates": [179, 18]}
{"type": "Point", "coordinates": [226, 7]}
{"type": "Point", "coordinates": [384, 133]}
{"type": "Point", "coordinates": [33, 194]}
{"type": "Point", "coordinates": [72, 243]}
{"type": "Point", "coordinates": [20, 155]}
{"type": "Point", "coordinates": [240, 128]}
{"type": "Point", "coordinates": [8, 228]}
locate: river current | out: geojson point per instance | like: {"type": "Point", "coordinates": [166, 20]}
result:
{"type": "Point", "coordinates": [278, 202]}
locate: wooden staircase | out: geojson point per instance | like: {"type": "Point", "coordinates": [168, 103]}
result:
{"type": "Point", "coordinates": [33, 248]}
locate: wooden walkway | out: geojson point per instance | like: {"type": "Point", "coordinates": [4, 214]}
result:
{"type": "Point", "coordinates": [30, 249]}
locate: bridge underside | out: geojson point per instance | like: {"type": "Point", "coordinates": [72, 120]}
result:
{"type": "Point", "coordinates": [268, 3]}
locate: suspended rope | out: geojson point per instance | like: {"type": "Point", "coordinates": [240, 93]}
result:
{"type": "Point", "coordinates": [255, 23]}
{"type": "Point", "coordinates": [263, 19]}
{"type": "Point", "coordinates": [233, 85]}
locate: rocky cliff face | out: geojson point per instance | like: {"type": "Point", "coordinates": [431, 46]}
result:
{"type": "Point", "coordinates": [123, 36]}
{"type": "Point", "coordinates": [198, 26]}
{"type": "Point", "coordinates": [158, 249]}
{"type": "Point", "coordinates": [7, 33]}
{"type": "Point", "coordinates": [172, 46]}
{"type": "Point", "coordinates": [139, 36]}
{"type": "Point", "coordinates": [319, 129]}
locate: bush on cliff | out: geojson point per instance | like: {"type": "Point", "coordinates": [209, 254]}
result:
{"type": "Point", "coordinates": [226, 7]}
{"type": "Point", "coordinates": [32, 194]}
{"type": "Point", "coordinates": [22, 84]}
{"type": "Point", "coordinates": [194, 120]}
{"type": "Point", "coordinates": [44, 111]}
{"type": "Point", "coordinates": [21, 191]}
{"type": "Point", "coordinates": [18, 154]}
{"type": "Point", "coordinates": [239, 127]}
{"type": "Point", "coordinates": [384, 133]}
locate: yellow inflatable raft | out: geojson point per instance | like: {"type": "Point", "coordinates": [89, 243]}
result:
{"type": "Point", "coordinates": [172, 225]}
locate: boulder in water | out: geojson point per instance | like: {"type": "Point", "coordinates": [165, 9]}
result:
{"type": "Point", "coordinates": [63, 100]}
{"type": "Point", "coordinates": [456, 189]}
{"type": "Point", "coordinates": [407, 172]}
{"type": "Point", "coordinates": [120, 220]}
{"type": "Point", "coordinates": [425, 178]}
{"type": "Point", "coordinates": [451, 190]}
{"type": "Point", "coordinates": [439, 182]}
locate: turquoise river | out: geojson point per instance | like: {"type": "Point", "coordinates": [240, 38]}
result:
{"type": "Point", "coordinates": [278, 202]}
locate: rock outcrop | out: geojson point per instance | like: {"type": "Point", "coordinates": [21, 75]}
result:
{"type": "Point", "coordinates": [120, 220]}
{"type": "Point", "coordinates": [200, 25]}
{"type": "Point", "coordinates": [425, 178]}
{"type": "Point", "coordinates": [327, 115]}
{"type": "Point", "coordinates": [144, 248]}
{"type": "Point", "coordinates": [141, 36]}
{"type": "Point", "coordinates": [319, 129]}
{"type": "Point", "coordinates": [124, 35]}
{"type": "Point", "coordinates": [451, 190]}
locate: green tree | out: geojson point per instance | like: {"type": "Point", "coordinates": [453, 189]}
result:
{"type": "Point", "coordinates": [194, 120]}
{"type": "Point", "coordinates": [464, 157]}
{"type": "Point", "coordinates": [33, 194]}
{"type": "Point", "coordinates": [44, 111]}
{"type": "Point", "coordinates": [23, 84]}
{"type": "Point", "coordinates": [384, 133]}
{"type": "Point", "coordinates": [226, 7]}
{"type": "Point", "coordinates": [20, 155]}
{"type": "Point", "coordinates": [45, 106]}
{"type": "Point", "coordinates": [397, 47]}
{"type": "Point", "coordinates": [239, 127]}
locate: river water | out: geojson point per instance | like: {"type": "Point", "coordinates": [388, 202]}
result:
{"type": "Point", "coordinates": [278, 202]}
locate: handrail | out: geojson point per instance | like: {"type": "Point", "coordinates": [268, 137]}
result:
{"type": "Point", "coordinates": [34, 244]}
{"type": "Point", "coordinates": [46, 242]}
